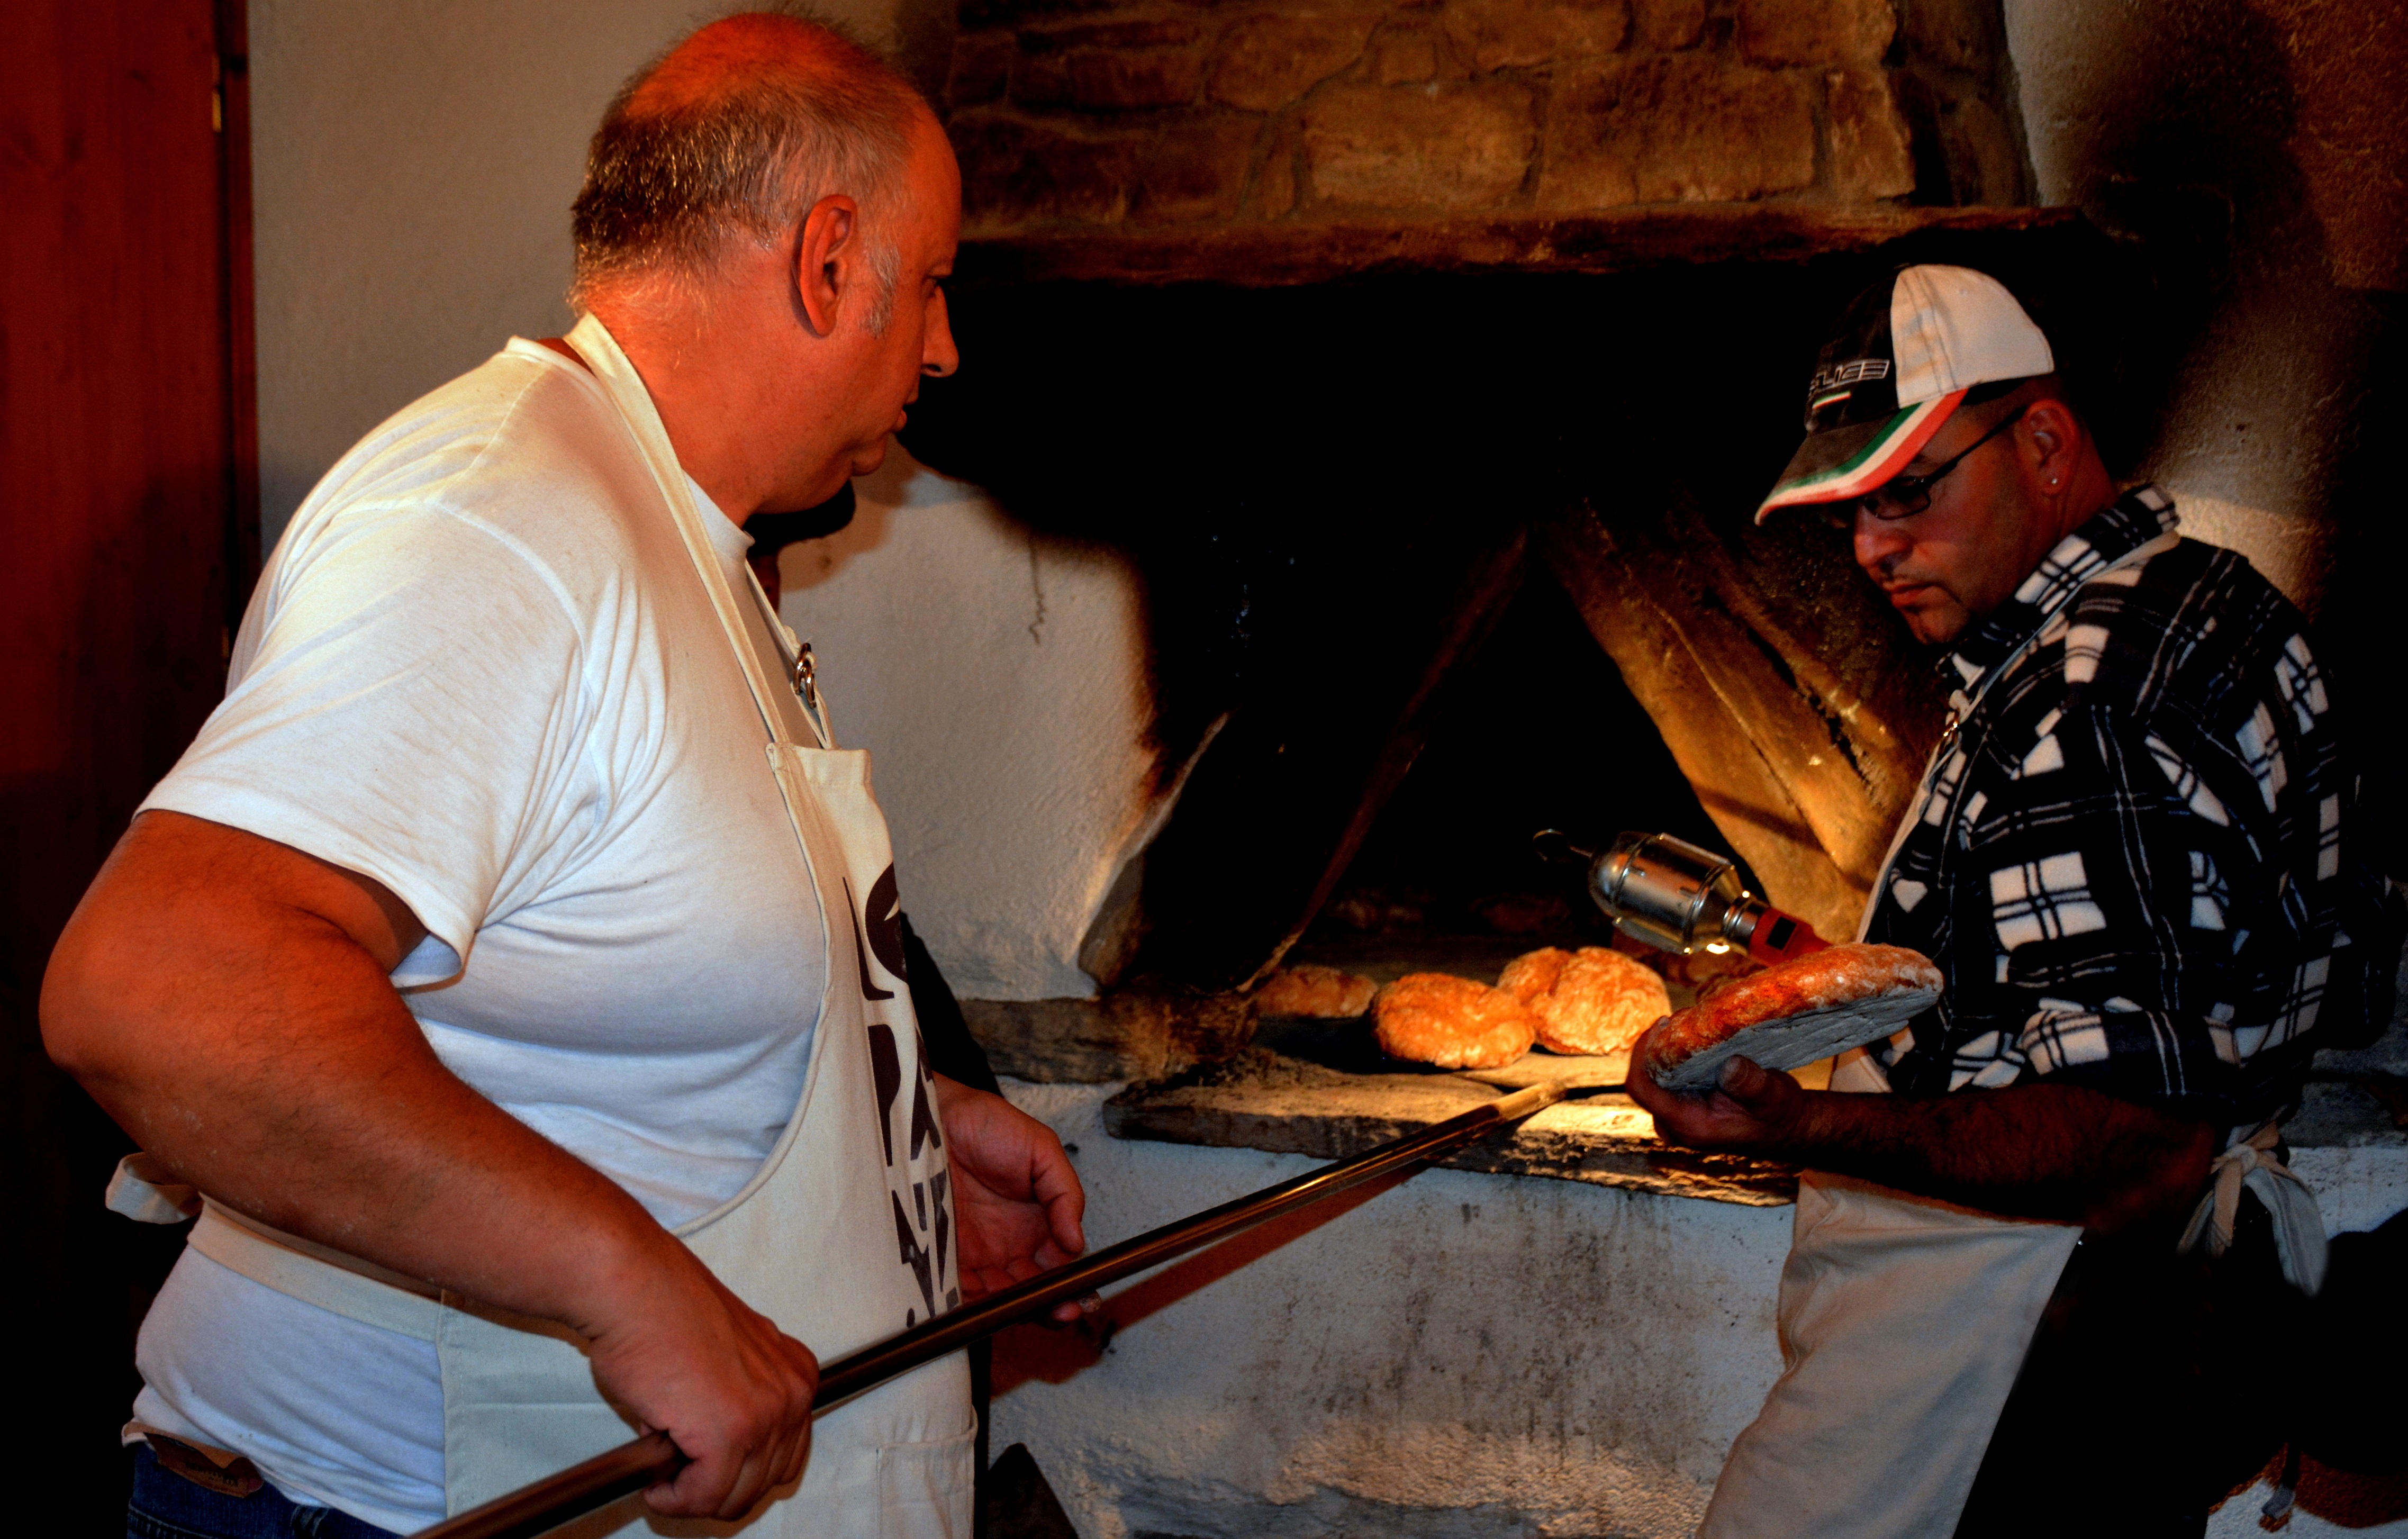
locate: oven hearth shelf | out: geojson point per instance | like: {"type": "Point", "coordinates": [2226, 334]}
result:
{"type": "Point", "coordinates": [1267, 1099]}
{"type": "Point", "coordinates": [1208, 1072]}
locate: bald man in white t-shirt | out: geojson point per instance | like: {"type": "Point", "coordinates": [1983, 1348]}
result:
{"type": "Point", "coordinates": [469, 940]}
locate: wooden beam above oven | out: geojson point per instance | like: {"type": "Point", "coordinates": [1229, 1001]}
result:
{"type": "Point", "coordinates": [1628, 241]}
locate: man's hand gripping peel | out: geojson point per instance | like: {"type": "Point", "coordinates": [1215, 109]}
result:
{"type": "Point", "coordinates": [1753, 1107]}
{"type": "Point", "coordinates": [1017, 1199]}
{"type": "Point", "coordinates": [734, 1392]}
{"type": "Point", "coordinates": [2062, 1153]}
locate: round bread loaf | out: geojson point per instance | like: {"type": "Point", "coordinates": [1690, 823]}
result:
{"type": "Point", "coordinates": [1455, 1023]}
{"type": "Point", "coordinates": [1533, 973]}
{"type": "Point", "coordinates": [1592, 1000]}
{"type": "Point", "coordinates": [1791, 1015]}
{"type": "Point", "coordinates": [1325, 993]}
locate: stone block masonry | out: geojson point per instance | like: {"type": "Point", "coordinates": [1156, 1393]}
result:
{"type": "Point", "coordinates": [1072, 115]}
{"type": "Point", "coordinates": [1452, 145]}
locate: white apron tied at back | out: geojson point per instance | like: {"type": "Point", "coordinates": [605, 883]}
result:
{"type": "Point", "coordinates": [845, 1235]}
{"type": "Point", "coordinates": [1904, 1321]}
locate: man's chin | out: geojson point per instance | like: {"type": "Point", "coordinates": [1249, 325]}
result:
{"type": "Point", "coordinates": [1937, 626]}
{"type": "Point", "coordinates": [867, 461]}
{"type": "Point", "coordinates": [1934, 617]}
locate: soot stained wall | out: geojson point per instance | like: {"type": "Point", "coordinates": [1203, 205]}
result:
{"type": "Point", "coordinates": [2255, 151]}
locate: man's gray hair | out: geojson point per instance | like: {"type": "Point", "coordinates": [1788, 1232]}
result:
{"type": "Point", "coordinates": [666, 185]}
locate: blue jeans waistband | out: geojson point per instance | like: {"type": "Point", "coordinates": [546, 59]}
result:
{"type": "Point", "coordinates": [165, 1505]}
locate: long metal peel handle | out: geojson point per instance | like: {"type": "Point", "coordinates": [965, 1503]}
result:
{"type": "Point", "coordinates": [574, 1491]}
{"type": "Point", "coordinates": [633, 1466]}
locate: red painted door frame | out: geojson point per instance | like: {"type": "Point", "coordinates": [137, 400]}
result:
{"type": "Point", "coordinates": [129, 487]}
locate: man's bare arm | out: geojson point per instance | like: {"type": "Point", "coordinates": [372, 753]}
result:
{"type": "Point", "coordinates": [2056, 1152]}
{"type": "Point", "coordinates": [225, 998]}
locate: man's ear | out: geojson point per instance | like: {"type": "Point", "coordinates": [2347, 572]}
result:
{"type": "Point", "coordinates": [2054, 437]}
{"type": "Point", "coordinates": [823, 261]}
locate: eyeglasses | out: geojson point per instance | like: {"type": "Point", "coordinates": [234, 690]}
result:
{"type": "Point", "coordinates": [1903, 497]}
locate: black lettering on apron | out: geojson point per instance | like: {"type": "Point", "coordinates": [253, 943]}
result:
{"type": "Point", "coordinates": [918, 1258]}
{"type": "Point", "coordinates": [860, 944]}
{"type": "Point", "coordinates": [887, 1070]}
{"type": "Point", "coordinates": [882, 917]}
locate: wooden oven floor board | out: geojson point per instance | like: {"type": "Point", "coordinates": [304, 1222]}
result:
{"type": "Point", "coordinates": [1284, 1106]}
{"type": "Point", "coordinates": [1537, 1066]}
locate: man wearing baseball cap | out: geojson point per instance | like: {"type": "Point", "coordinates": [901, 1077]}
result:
{"type": "Point", "coordinates": [2042, 1284]}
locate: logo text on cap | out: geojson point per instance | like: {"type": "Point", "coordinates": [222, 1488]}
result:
{"type": "Point", "coordinates": [1855, 372]}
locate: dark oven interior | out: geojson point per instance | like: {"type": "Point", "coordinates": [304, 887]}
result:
{"type": "Point", "coordinates": [1435, 559]}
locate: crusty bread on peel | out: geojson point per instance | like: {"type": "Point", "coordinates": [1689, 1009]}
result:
{"type": "Point", "coordinates": [1592, 1000]}
{"type": "Point", "coordinates": [1791, 1015]}
{"type": "Point", "coordinates": [1307, 989]}
{"type": "Point", "coordinates": [1455, 1023]}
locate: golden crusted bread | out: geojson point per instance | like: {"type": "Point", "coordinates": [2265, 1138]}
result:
{"type": "Point", "coordinates": [1533, 973]}
{"type": "Point", "coordinates": [1789, 1015]}
{"type": "Point", "coordinates": [1325, 993]}
{"type": "Point", "coordinates": [1455, 1023]}
{"type": "Point", "coordinates": [1592, 1000]}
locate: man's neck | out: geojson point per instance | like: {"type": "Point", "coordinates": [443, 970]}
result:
{"type": "Point", "coordinates": [1987, 635]}
{"type": "Point", "coordinates": [2088, 494]}
{"type": "Point", "coordinates": [695, 374]}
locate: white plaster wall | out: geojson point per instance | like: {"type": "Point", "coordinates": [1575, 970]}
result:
{"type": "Point", "coordinates": [412, 167]}
{"type": "Point", "coordinates": [1460, 1356]}
{"type": "Point", "coordinates": [1463, 1355]}
{"type": "Point", "coordinates": [998, 681]}
{"type": "Point", "coordinates": [2265, 401]}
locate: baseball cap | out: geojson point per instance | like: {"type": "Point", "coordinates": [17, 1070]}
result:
{"type": "Point", "coordinates": [1900, 361]}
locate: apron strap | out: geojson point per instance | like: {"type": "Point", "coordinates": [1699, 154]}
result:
{"type": "Point", "coordinates": [359, 1290]}
{"type": "Point", "coordinates": [625, 387]}
{"type": "Point", "coordinates": [2298, 1225]}
{"type": "Point", "coordinates": [142, 1189]}
{"type": "Point", "coordinates": [344, 1285]}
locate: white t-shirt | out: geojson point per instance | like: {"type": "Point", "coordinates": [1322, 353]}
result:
{"type": "Point", "coordinates": [482, 669]}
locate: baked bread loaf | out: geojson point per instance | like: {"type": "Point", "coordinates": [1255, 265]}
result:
{"type": "Point", "coordinates": [1533, 973]}
{"type": "Point", "coordinates": [1324, 993]}
{"type": "Point", "coordinates": [1592, 1000]}
{"type": "Point", "coordinates": [1455, 1023]}
{"type": "Point", "coordinates": [1789, 1015]}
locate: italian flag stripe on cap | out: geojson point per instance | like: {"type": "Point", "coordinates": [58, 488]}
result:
{"type": "Point", "coordinates": [1873, 462]}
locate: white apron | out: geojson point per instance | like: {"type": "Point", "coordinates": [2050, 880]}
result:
{"type": "Point", "coordinates": [1904, 1321]}
{"type": "Point", "coordinates": [845, 1235]}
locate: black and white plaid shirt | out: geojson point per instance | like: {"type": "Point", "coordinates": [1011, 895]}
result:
{"type": "Point", "coordinates": [2138, 861]}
